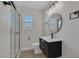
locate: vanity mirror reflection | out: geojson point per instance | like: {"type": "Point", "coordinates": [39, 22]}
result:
{"type": "Point", "coordinates": [54, 23]}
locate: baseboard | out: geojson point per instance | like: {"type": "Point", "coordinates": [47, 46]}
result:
{"type": "Point", "coordinates": [29, 48]}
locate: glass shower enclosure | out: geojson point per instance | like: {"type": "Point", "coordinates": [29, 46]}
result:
{"type": "Point", "coordinates": [15, 33]}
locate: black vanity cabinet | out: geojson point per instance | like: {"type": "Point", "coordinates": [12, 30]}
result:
{"type": "Point", "coordinates": [51, 49]}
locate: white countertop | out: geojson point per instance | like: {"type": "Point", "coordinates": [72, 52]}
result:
{"type": "Point", "coordinates": [49, 39]}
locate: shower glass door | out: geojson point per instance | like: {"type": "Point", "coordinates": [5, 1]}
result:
{"type": "Point", "coordinates": [15, 41]}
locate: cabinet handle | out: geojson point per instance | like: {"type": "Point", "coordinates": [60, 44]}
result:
{"type": "Point", "coordinates": [42, 46]}
{"type": "Point", "coordinates": [42, 40]}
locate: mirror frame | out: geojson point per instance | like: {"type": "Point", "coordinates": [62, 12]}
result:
{"type": "Point", "coordinates": [58, 29]}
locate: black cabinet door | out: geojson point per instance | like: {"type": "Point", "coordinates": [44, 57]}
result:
{"type": "Point", "coordinates": [55, 49]}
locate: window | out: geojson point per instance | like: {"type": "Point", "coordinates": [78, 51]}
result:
{"type": "Point", "coordinates": [27, 22]}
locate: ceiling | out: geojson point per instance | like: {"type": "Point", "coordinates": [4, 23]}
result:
{"type": "Point", "coordinates": [40, 5]}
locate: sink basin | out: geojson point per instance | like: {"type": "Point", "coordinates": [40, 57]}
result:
{"type": "Point", "coordinates": [49, 39]}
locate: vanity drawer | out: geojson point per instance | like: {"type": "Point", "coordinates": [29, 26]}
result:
{"type": "Point", "coordinates": [43, 42]}
{"type": "Point", "coordinates": [44, 49]}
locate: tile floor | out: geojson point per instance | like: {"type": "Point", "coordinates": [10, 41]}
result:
{"type": "Point", "coordinates": [30, 54]}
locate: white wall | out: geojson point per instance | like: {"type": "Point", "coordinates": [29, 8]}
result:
{"type": "Point", "coordinates": [37, 27]}
{"type": "Point", "coordinates": [69, 32]}
{"type": "Point", "coordinates": [4, 31]}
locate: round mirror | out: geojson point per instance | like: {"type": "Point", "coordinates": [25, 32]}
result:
{"type": "Point", "coordinates": [54, 23]}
